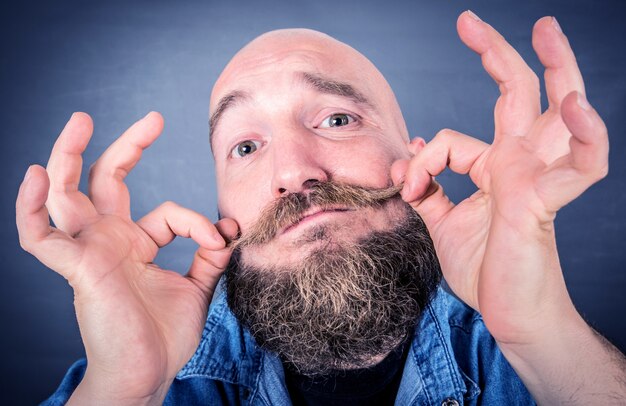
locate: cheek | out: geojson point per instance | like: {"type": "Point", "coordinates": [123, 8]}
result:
{"type": "Point", "coordinates": [366, 163]}
{"type": "Point", "coordinates": [242, 199]}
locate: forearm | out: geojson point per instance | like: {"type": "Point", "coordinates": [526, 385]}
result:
{"type": "Point", "coordinates": [570, 363]}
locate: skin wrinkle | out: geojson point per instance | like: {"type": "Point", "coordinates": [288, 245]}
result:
{"type": "Point", "coordinates": [321, 84]}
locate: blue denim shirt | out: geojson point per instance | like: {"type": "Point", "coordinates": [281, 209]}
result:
{"type": "Point", "coordinates": [452, 357]}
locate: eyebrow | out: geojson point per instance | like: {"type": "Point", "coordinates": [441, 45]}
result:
{"type": "Point", "coordinates": [329, 86]}
{"type": "Point", "coordinates": [225, 102]}
{"type": "Point", "coordinates": [319, 83]}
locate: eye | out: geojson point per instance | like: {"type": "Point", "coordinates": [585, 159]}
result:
{"type": "Point", "coordinates": [337, 120]}
{"type": "Point", "coordinates": [244, 148]}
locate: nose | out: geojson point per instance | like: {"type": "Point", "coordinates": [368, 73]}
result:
{"type": "Point", "coordinates": [296, 165]}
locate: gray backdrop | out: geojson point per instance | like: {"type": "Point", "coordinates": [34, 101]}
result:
{"type": "Point", "coordinates": [119, 60]}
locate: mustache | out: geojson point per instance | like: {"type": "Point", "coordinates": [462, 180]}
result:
{"type": "Point", "coordinates": [289, 209]}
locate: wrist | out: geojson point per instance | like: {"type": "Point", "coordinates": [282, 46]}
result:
{"type": "Point", "coordinates": [99, 389]}
{"type": "Point", "coordinates": [552, 344]}
{"type": "Point", "coordinates": [552, 326]}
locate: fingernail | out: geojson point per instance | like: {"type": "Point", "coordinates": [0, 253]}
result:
{"type": "Point", "coordinates": [474, 16]}
{"type": "Point", "coordinates": [582, 102]}
{"type": "Point", "coordinates": [556, 25]}
{"type": "Point", "coordinates": [147, 115]}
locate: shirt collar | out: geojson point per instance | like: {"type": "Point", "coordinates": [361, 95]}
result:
{"type": "Point", "coordinates": [431, 373]}
{"type": "Point", "coordinates": [227, 352]}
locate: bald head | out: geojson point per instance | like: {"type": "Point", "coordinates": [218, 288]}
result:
{"type": "Point", "coordinates": [317, 58]}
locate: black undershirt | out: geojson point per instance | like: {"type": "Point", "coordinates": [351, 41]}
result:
{"type": "Point", "coordinates": [377, 385]}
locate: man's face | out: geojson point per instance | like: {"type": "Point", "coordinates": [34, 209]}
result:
{"type": "Point", "coordinates": [296, 108]}
{"type": "Point", "coordinates": [304, 132]}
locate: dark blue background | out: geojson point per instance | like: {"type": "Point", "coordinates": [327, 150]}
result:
{"type": "Point", "coordinates": [119, 60]}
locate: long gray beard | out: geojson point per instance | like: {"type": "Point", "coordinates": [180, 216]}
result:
{"type": "Point", "coordinates": [345, 304]}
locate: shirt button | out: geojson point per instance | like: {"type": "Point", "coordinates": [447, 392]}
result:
{"type": "Point", "coordinates": [450, 402]}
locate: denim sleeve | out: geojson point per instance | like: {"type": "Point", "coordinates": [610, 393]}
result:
{"type": "Point", "coordinates": [70, 381]}
{"type": "Point", "coordinates": [190, 391]}
{"type": "Point", "coordinates": [481, 360]}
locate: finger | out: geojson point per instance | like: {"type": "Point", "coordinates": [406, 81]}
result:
{"type": "Point", "coordinates": [448, 148]}
{"type": "Point", "coordinates": [69, 208]}
{"type": "Point", "coordinates": [52, 247]}
{"type": "Point", "coordinates": [459, 152]}
{"type": "Point", "coordinates": [400, 166]}
{"type": "Point", "coordinates": [432, 204]}
{"type": "Point", "coordinates": [416, 145]}
{"type": "Point", "coordinates": [31, 214]}
{"type": "Point", "coordinates": [562, 75]}
{"type": "Point", "coordinates": [590, 140]}
{"type": "Point", "coordinates": [228, 228]}
{"type": "Point", "coordinates": [398, 171]}
{"type": "Point", "coordinates": [587, 161]}
{"type": "Point", "coordinates": [107, 189]}
{"type": "Point", "coordinates": [169, 220]}
{"type": "Point", "coordinates": [519, 104]}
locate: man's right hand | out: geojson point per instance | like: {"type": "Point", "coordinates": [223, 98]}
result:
{"type": "Point", "coordinates": [140, 324]}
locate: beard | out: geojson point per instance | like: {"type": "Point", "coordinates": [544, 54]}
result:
{"type": "Point", "coordinates": [347, 303]}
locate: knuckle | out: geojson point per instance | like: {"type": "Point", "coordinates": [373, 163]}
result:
{"type": "Point", "coordinates": [531, 79]}
{"type": "Point", "coordinates": [25, 244]}
{"type": "Point", "coordinates": [536, 83]}
{"type": "Point", "coordinates": [444, 135]}
{"type": "Point", "coordinates": [603, 172]}
{"type": "Point", "coordinates": [597, 173]}
{"type": "Point", "coordinates": [523, 81]}
{"type": "Point", "coordinates": [93, 170]}
{"type": "Point", "coordinates": [168, 205]}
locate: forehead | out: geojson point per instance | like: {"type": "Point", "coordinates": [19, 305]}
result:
{"type": "Point", "coordinates": [272, 58]}
{"type": "Point", "coordinates": [268, 73]}
{"type": "Point", "coordinates": [270, 78]}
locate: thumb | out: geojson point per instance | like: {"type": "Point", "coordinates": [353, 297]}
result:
{"type": "Point", "coordinates": [207, 268]}
{"type": "Point", "coordinates": [209, 265]}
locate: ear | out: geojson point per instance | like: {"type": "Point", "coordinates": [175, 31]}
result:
{"type": "Point", "coordinates": [416, 145]}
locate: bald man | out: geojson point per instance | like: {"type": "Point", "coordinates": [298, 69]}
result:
{"type": "Point", "coordinates": [333, 238]}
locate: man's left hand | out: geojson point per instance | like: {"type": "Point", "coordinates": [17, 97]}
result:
{"type": "Point", "coordinates": [497, 248]}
